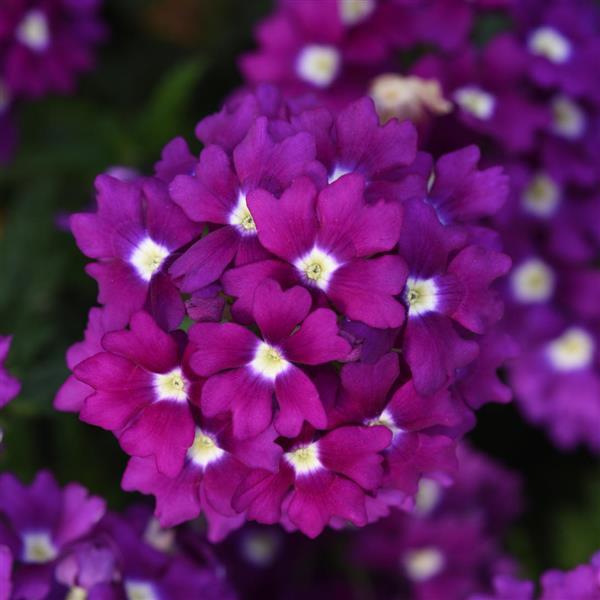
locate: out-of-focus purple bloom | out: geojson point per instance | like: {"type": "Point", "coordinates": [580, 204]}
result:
{"type": "Point", "coordinates": [45, 44]}
{"type": "Point", "coordinates": [39, 523]}
{"type": "Point", "coordinates": [9, 386]}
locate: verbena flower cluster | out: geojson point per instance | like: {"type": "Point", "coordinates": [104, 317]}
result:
{"type": "Point", "coordinates": [62, 543]}
{"type": "Point", "coordinates": [530, 95]}
{"type": "Point", "coordinates": [44, 45]}
{"type": "Point", "coordinates": [295, 326]}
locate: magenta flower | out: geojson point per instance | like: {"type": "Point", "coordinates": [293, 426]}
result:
{"type": "Point", "coordinates": [143, 391]}
{"type": "Point", "coordinates": [46, 44]}
{"type": "Point", "coordinates": [133, 235]}
{"type": "Point", "coordinates": [216, 193]}
{"type": "Point", "coordinates": [419, 446]}
{"type": "Point", "coordinates": [318, 480]}
{"type": "Point", "coordinates": [319, 47]}
{"type": "Point", "coordinates": [73, 392]}
{"type": "Point", "coordinates": [245, 371]}
{"type": "Point", "coordinates": [216, 463]}
{"type": "Point", "coordinates": [39, 523]}
{"type": "Point", "coordinates": [9, 386]}
{"type": "Point", "coordinates": [447, 288]}
{"type": "Point", "coordinates": [352, 141]}
{"type": "Point", "coordinates": [329, 242]}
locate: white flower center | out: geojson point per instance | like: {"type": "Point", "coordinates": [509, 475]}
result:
{"type": "Point", "coordinates": [421, 296]}
{"type": "Point", "coordinates": [551, 44]}
{"type": "Point", "coordinates": [159, 538]}
{"type": "Point", "coordinates": [38, 547]}
{"type": "Point", "coordinates": [204, 449]}
{"type": "Point", "coordinates": [573, 350]}
{"type": "Point", "coordinates": [423, 564]}
{"type": "Point", "coordinates": [140, 590]}
{"type": "Point", "coordinates": [475, 101]}
{"type": "Point", "coordinates": [568, 118]}
{"type": "Point", "coordinates": [317, 267]}
{"type": "Point", "coordinates": [241, 217]}
{"type": "Point", "coordinates": [337, 173]}
{"type": "Point", "coordinates": [259, 548]}
{"type": "Point", "coordinates": [171, 385]}
{"type": "Point", "coordinates": [407, 97]}
{"type": "Point", "coordinates": [542, 196]}
{"type": "Point", "coordinates": [305, 459]}
{"type": "Point", "coordinates": [318, 64]}
{"type": "Point", "coordinates": [33, 31]}
{"type": "Point", "coordinates": [355, 11]}
{"type": "Point", "coordinates": [148, 258]}
{"type": "Point", "coordinates": [387, 420]}
{"type": "Point", "coordinates": [428, 496]}
{"type": "Point", "coordinates": [532, 281]}
{"type": "Point", "coordinates": [77, 593]}
{"type": "Point", "coordinates": [269, 361]}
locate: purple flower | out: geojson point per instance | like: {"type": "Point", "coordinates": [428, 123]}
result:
{"type": "Point", "coordinates": [6, 563]}
{"type": "Point", "coordinates": [47, 43]}
{"type": "Point", "coordinates": [143, 391]}
{"type": "Point", "coordinates": [507, 587]}
{"type": "Point", "coordinates": [318, 479]}
{"type": "Point", "coordinates": [321, 47]}
{"type": "Point", "coordinates": [352, 141]}
{"type": "Point", "coordinates": [416, 422]}
{"type": "Point", "coordinates": [73, 392]}
{"type": "Point", "coordinates": [558, 383]}
{"type": "Point", "coordinates": [564, 47]}
{"type": "Point", "coordinates": [217, 193]}
{"type": "Point", "coordinates": [485, 90]}
{"type": "Point", "coordinates": [245, 371]}
{"type": "Point", "coordinates": [447, 286]}
{"type": "Point", "coordinates": [133, 236]}
{"type": "Point", "coordinates": [582, 582]}
{"type": "Point", "coordinates": [39, 523]}
{"type": "Point", "coordinates": [328, 243]}
{"type": "Point", "coordinates": [216, 463]}
{"type": "Point", "coordinates": [9, 386]}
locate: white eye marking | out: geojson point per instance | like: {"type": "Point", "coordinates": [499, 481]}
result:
{"type": "Point", "coordinates": [171, 385]}
{"type": "Point", "coordinates": [551, 44]}
{"type": "Point", "coordinates": [317, 267]}
{"type": "Point", "coordinates": [476, 101]}
{"type": "Point", "coordinates": [148, 258]}
{"type": "Point", "coordinates": [318, 64]}
{"type": "Point", "coordinates": [573, 350]}
{"type": "Point", "coordinates": [423, 564]}
{"type": "Point", "coordinates": [38, 547]}
{"type": "Point", "coordinates": [33, 31]}
{"type": "Point", "coordinates": [305, 459]}
{"type": "Point", "coordinates": [542, 196]}
{"type": "Point", "coordinates": [532, 281]}
{"type": "Point", "coordinates": [241, 217]}
{"type": "Point", "coordinates": [421, 296]}
{"type": "Point", "coordinates": [204, 449]}
{"type": "Point", "coordinates": [568, 118]}
{"type": "Point", "coordinates": [269, 361]}
{"type": "Point", "coordinates": [355, 11]}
